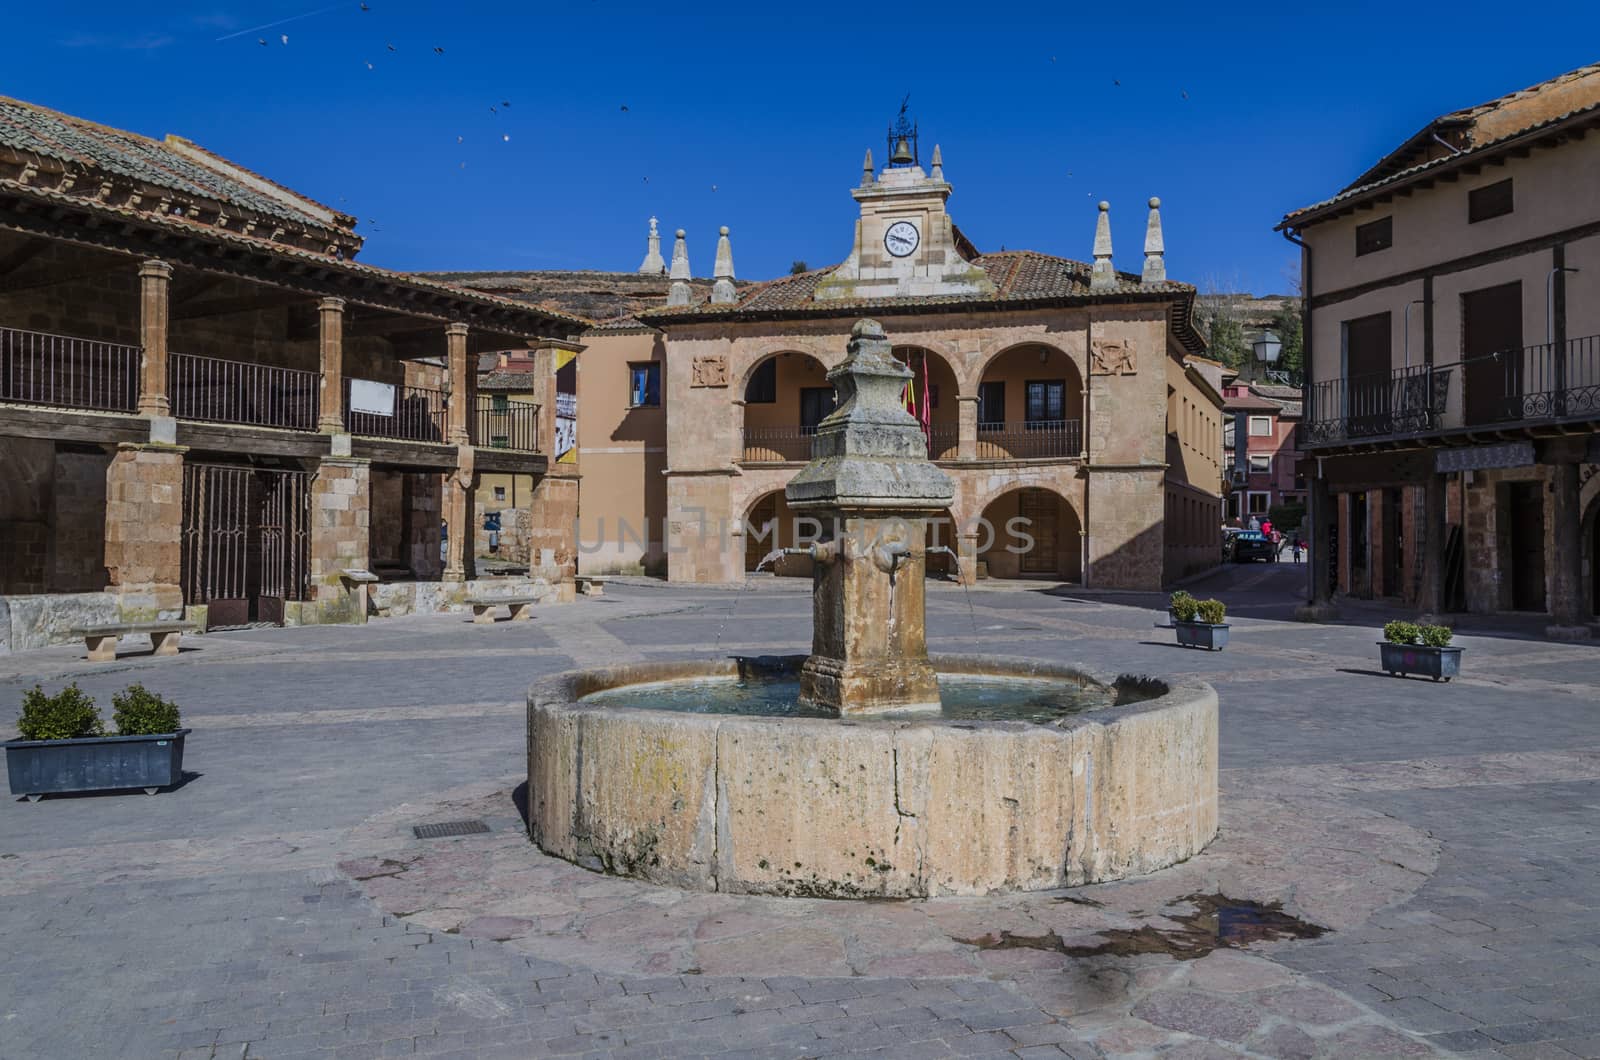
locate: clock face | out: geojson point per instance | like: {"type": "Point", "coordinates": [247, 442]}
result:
{"type": "Point", "coordinates": [901, 238]}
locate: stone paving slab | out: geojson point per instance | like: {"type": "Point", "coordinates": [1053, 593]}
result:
{"type": "Point", "coordinates": [211, 921]}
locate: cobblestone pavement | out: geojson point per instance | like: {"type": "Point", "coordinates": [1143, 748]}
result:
{"type": "Point", "coordinates": [1444, 833]}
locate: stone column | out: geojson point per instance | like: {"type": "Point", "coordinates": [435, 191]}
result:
{"type": "Point", "coordinates": [330, 419]}
{"type": "Point", "coordinates": [144, 530]}
{"type": "Point", "coordinates": [552, 525]}
{"type": "Point", "coordinates": [1566, 575]}
{"type": "Point", "coordinates": [460, 486]}
{"type": "Point", "coordinates": [1430, 543]}
{"type": "Point", "coordinates": [1322, 515]}
{"type": "Point", "coordinates": [463, 389]}
{"type": "Point", "coordinates": [967, 560]}
{"type": "Point", "coordinates": [341, 506]}
{"type": "Point", "coordinates": [967, 427]}
{"type": "Point", "coordinates": [155, 281]}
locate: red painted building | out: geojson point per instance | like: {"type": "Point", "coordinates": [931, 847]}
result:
{"type": "Point", "coordinates": [1263, 475]}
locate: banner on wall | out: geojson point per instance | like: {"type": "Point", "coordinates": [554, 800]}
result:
{"type": "Point", "coordinates": [566, 424]}
{"type": "Point", "coordinates": [375, 399]}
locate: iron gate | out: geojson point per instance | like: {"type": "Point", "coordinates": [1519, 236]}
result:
{"type": "Point", "coordinates": [246, 541]}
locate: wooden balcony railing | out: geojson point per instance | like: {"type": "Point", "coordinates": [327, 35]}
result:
{"type": "Point", "coordinates": [1030, 440]}
{"type": "Point", "coordinates": [1530, 386]}
{"type": "Point", "coordinates": [418, 416]}
{"type": "Point", "coordinates": [66, 372]}
{"type": "Point", "coordinates": [503, 423]}
{"type": "Point", "coordinates": [258, 395]}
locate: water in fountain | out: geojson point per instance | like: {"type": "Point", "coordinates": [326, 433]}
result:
{"type": "Point", "coordinates": [966, 593]}
{"type": "Point", "coordinates": [962, 697]}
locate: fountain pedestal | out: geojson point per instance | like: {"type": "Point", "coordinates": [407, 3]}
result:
{"type": "Point", "coordinates": [870, 483]}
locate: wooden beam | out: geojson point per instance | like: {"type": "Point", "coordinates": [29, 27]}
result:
{"type": "Point", "coordinates": [71, 425]}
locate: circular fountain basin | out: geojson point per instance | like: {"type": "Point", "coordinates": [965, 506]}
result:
{"type": "Point", "coordinates": [1064, 777]}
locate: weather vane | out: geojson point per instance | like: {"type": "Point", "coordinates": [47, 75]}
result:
{"type": "Point", "coordinates": [902, 138]}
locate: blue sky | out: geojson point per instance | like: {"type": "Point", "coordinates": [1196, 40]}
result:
{"type": "Point", "coordinates": [756, 116]}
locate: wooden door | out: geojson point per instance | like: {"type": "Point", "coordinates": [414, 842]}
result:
{"type": "Point", "coordinates": [1369, 376]}
{"type": "Point", "coordinates": [1039, 508]}
{"type": "Point", "coordinates": [1491, 326]}
{"type": "Point", "coordinates": [1526, 503]}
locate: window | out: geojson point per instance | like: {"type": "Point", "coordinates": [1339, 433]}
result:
{"type": "Point", "coordinates": [815, 404]}
{"type": "Point", "coordinates": [763, 386]}
{"type": "Point", "coordinates": [500, 403]}
{"type": "Point", "coordinates": [991, 406]}
{"type": "Point", "coordinates": [1047, 401]}
{"type": "Point", "coordinates": [499, 493]}
{"type": "Point", "coordinates": [1374, 236]}
{"type": "Point", "coordinates": [1259, 503]}
{"type": "Point", "coordinates": [1261, 426]}
{"type": "Point", "coordinates": [1260, 463]}
{"type": "Point", "coordinates": [644, 385]}
{"type": "Point", "coordinates": [1491, 200]}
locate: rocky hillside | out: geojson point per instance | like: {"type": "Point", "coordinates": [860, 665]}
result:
{"type": "Point", "coordinates": [597, 296]}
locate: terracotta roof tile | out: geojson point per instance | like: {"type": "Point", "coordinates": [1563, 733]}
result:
{"type": "Point", "coordinates": [35, 130]}
{"type": "Point", "coordinates": [1019, 277]}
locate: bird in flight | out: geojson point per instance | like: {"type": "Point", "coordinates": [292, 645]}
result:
{"type": "Point", "coordinates": [1185, 94]}
{"type": "Point", "coordinates": [624, 108]}
{"type": "Point", "coordinates": [284, 37]}
{"type": "Point", "coordinates": [391, 47]}
{"type": "Point", "coordinates": [261, 41]}
{"type": "Point", "coordinates": [364, 7]}
{"type": "Point", "coordinates": [438, 51]}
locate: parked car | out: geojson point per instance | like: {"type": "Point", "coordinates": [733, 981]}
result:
{"type": "Point", "coordinates": [1249, 545]}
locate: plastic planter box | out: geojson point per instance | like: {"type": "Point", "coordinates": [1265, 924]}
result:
{"type": "Point", "coordinates": [95, 763]}
{"type": "Point", "coordinates": [1441, 664]}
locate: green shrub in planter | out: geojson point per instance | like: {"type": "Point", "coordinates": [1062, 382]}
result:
{"type": "Point", "coordinates": [67, 715]}
{"type": "Point", "coordinates": [1184, 607]}
{"type": "Point", "coordinates": [1404, 632]}
{"type": "Point", "coordinates": [1211, 611]}
{"type": "Point", "coordinates": [140, 712]}
{"type": "Point", "coordinates": [1436, 636]}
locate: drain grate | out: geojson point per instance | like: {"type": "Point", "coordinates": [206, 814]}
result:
{"type": "Point", "coordinates": [449, 828]}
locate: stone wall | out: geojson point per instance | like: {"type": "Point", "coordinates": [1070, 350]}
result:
{"type": "Point", "coordinates": [340, 522]}
{"type": "Point", "coordinates": [78, 518]}
{"type": "Point", "coordinates": [144, 526]}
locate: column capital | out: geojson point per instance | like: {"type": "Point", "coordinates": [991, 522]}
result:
{"type": "Point", "coordinates": [456, 328]}
{"type": "Point", "coordinates": [155, 268]}
{"type": "Point", "coordinates": [331, 305]}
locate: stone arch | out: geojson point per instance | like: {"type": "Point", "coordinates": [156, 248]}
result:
{"type": "Point", "coordinates": [1023, 373]}
{"type": "Point", "coordinates": [769, 524]}
{"type": "Point", "coordinates": [777, 427]}
{"type": "Point", "coordinates": [743, 363]}
{"type": "Point", "coordinates": [1046, 543]}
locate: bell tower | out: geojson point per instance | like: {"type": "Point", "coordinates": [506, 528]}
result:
{"type": "Point", "coordinates": [905, 244]}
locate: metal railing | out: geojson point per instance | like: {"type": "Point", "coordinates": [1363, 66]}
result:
{"type": "Point", "coordinates": [260, 395]}
{"type": "Point", "coordinates": [506, 424]}
{"type": "Point", "coordinates": [66, 372]}
{"type": "Point", "coordinates": [1030, 440]}
{"type": "Point", "coordinates": [944, 442]}
{"type": "Point", "coordinates": [1531, 385]}
{"type": "Point", "coordinates": [777, 445]}
{"type": "Point", "coordinates": [418, 416]}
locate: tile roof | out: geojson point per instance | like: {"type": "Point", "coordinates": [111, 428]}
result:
{"type": "Point", "coordinates": [1020, 277]}
{"type": "Point", "coordinates": [174, 164]}
{"type": "Point", "coordinates": [1572, 98]}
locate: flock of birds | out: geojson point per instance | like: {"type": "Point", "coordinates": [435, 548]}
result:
{"type": "Point", "coordinates": [283, 40]}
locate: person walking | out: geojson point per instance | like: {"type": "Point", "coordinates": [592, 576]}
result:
{"type": "Point", "coordinates": [1299, 545]}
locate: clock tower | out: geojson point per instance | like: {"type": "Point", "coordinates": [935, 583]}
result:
{"type": "Point", "coordinates": [905, 244]}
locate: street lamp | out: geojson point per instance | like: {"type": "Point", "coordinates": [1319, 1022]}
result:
{"type": "Point", "coordinates": [1267, 348]}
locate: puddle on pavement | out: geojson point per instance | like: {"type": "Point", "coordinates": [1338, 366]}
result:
{"type": "Point", "coordinates": [1217, 922]}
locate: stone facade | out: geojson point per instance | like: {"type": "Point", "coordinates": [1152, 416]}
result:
{"type": "Point", "coordinates": [341, 517]}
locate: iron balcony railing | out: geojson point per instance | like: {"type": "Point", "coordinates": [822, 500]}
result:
{"type": "Point", "coordinates": [504, 423]}
{"type": "Point", "coordinates": [1528, 386]}
{"type": "Point", "coordinates": [418, 416]}
{"type": "Point", "coordinates": [1030, 440]}
{"type": "Point", "coordinates": [66, 372]}
{"type": "Point", "coordinates": [258, 395]}
{"type": "Point", "coordinates": [779, 445]}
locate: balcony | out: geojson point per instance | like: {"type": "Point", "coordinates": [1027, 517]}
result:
{"type": "Point", "coordinates": [64, 372]}
{"type": "Point", "coordinates": [777, 445]}
{"type": "Point", "coordinates": [1030, 440]}
{"type": "Point", "coordinates": [1536, 386]}
{"type": "Point", "coordinates": [503, 423]}
{"type": "Point", "coordinates": [213, 390]}
{"type": "Point", "coordinates": [418, 415]}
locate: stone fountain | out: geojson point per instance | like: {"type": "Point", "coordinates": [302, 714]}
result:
{"type": "Point", "coordinates": [869, 768]}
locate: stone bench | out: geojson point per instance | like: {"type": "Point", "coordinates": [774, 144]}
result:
{"type": "Point", "coordinates": [590, 584]}
{"type": "Point", "coordinates": [484, 607]}
{"type": "Point", "coordinates": [102, 640]}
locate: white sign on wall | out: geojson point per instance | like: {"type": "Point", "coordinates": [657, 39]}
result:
{"type": "Point", "coordinates": [375, 399]}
